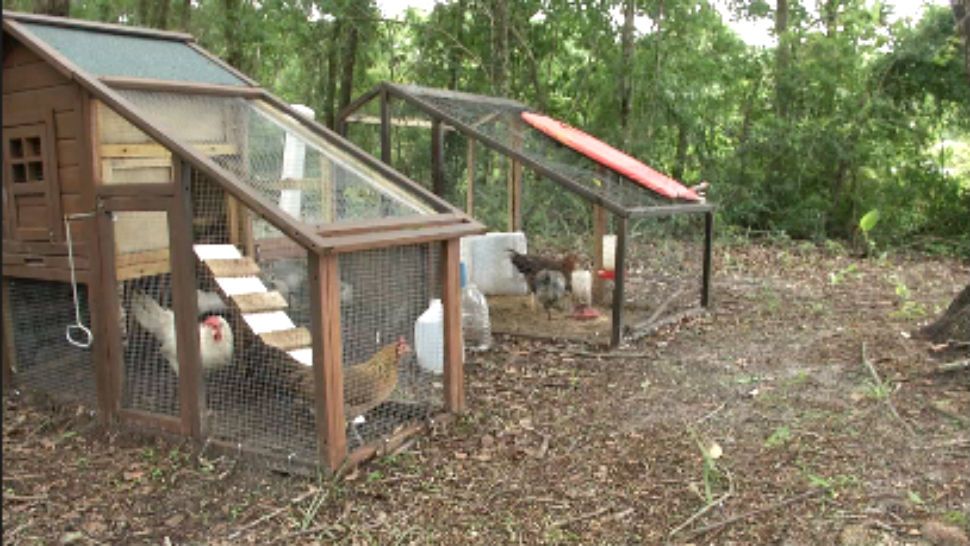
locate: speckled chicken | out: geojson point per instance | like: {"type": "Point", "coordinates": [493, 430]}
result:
{"type": "Point", "coordinates": [550, 289]}
{"type": "Point", "coordinates": [531, 264]}
{"type": "Point", "coordinates": [366, 385]}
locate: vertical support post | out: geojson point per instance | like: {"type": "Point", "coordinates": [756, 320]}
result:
{"type": "Point", "coordinates": [385, 127]}
{"type": "Point", "coordinates": [454, 375]}
{"type": "Point", "coordinates": [331, 427]}
{"type": "Point", "coordinates": [708, 250]}
{"type": "Point", "coordinates": [619, 280]}
{"type": "Point", "coordinates": [437, 158]}
{"type": "Point", "coordinates": [185, 303]}
{"type": "Point", "coordinates": [9, 349]}
{"type": "Point", "coordinates": [599, 231]}
{"type": "Point", "coordinates": [470, 193]}
{"type": "Point", "coordinates": [99, 348]}
{"type": "Point", "coordinates": [515, 195]}
{"type": "Point", "coordinates": [109, 309]}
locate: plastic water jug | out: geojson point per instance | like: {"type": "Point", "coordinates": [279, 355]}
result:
{"type": "Point", "coordinates": [609, 252]}
{"type": "Point", "coordinates": [475, 324]}
{"type": "Point", "coordinates": [429, 338]}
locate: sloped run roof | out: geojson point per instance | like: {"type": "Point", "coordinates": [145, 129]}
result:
{"type": "Point", "coordinates": [180, 75]}
{"type": "Point", "coordinates": [498, 123]}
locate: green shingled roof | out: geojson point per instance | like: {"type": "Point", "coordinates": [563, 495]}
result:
{"type": "Point", "coordinates": [110, 54]}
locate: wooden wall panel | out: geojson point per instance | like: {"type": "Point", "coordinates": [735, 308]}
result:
{"type": "Point", "coordinates": [68, 151]}
{"type": "Point", "coordinates": [28, 77]}
{"type": "Point", "coordinates": [18, 55]}
{"type": "Point", "coordinates": [59, 97]}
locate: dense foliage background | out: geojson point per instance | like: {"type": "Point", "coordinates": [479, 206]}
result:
{"type": "Point", "coordinates": [847, 114]}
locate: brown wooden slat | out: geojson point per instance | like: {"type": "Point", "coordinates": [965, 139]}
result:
{"type": "Point", "coordinates": [324, 280]}
{"type": "Point", "coordinates": [9, 349]}
{"type": "Point", "coordinates": [18, 56]}
{"type": "Point", "coordinates": [181, 87]}
{"type": "Point", "coordinates": [287, 340]}
{"type": "Point", "coordinates": [33, 260]}
{"type": "Point", "coordinates": [240, 267]}
{"type": "Point", "coordinates": [27, 77]}
{"type": "Point", "coordinates": [157, 150]}
{"type": "Point", "coordinates": [98, 26]}
{"type": "Point", "coordinates": [68, 153]}
{"type": "Point", "coordinates": [73, 203]}
{"type": "Point", "coordinates": [44, 273]}
{"type": "Point", "coordinates": [59, 97]}
{"type": "Point", "coordinates": [260, 302]}
{"type": "Point", "coordinates": [44, 248]}
{"type": "Point", "coordinates": [454, 377]}
{"type": "Point", "coordinates": [67, 123]}
{"type": "Point", "coordinates": [367, 241]}
{"type": "Point", "coordinates": [70, 178]}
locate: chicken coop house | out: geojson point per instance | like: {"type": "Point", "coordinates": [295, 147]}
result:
{"type": "Point", "coordinates": [497, 158]}
{"type": "Point", "coordinates": [186, 252]}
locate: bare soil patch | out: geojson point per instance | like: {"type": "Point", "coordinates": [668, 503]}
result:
{"type": "Point", "coordinates": [561, 446]}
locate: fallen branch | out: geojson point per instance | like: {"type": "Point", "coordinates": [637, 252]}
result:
{"type": "Point", "coordinates": [273, 514]}
{"type": "Point", "coordinates": [771, 507]}
{"type": "Point", "coordinates": [706, 508]}
{"type": "Point", "coordinates": [592, 354]}
{"type": "Point", "coordinates": [955, 366]}
{"type": "Point", "coordinates": [581, 517]}
{"type": "Point", "coordinates": [887, 399]}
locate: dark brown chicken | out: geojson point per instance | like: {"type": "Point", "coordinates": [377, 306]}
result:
{"type": "Point", "coordinates": [366, 385]}
{"type": "Point", "coordinates": [531, 264]}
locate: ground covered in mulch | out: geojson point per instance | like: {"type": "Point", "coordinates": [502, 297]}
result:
{"type": "Point", "coordinates": [799, 412]}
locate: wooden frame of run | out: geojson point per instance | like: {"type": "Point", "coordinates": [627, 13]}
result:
{"type": "Point", "coordinates": [441, 120]}
{"type": "Point", "coordinates": [322, 244]}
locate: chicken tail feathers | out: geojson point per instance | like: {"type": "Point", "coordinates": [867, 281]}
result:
{"type": "Point", "coordinates": [149, 314]}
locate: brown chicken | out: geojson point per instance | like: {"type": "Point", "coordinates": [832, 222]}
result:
{"type": "Point", "coordinates": [530, 265]}
{"type": "Point", "coordinates": [368, 384]}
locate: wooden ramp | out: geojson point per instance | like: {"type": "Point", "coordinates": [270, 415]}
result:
{"type": "Point", "coordinates": [262, 311]}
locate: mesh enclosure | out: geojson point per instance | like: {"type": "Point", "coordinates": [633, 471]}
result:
{"type": "Point", "coordinates": [306, 176]}
{"type": "Point", "coordinates": [39, 313]}
{"type": "Point", "coordinates": [143, 270]}
{"type": "Point", "coordinates": [262, 399]}
{"type": "Point", "coordinates": [501, 120]}
{"type": "Point", "coordinates": [383, 292]}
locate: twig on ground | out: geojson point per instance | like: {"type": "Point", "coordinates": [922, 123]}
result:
{"type": "Point", "coordinates": [581, 517]}
{"type": "Point", "coordinates": [707, 507]}
{"type": "Point", "coordinates": [955, 366]}
{"type": "Point", "coordinates": [23, 498]}
{"type": "Point", "coordinates": [711, 413]}
{"type": "Point", "coordinates": [273, 514]}
{"type": "Point", "coordinates": [771, 507]}
{"type": "Point", "coordinates": [887, 399]}
{"type": "Point", "coordinates": [592, 354]}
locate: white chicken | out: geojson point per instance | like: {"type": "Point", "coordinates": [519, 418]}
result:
{"type": "Point", "coordinates": [215, 335]}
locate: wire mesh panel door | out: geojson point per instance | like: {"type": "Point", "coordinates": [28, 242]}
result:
{"type": "Point", "coordinates": [147, 319]}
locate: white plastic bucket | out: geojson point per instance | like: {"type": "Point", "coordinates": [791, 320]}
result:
{"type": "Point", "coordinates": [429, 338]}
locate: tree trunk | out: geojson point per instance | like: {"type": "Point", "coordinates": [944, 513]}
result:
{"type": "Point", "coordinates": [782, 58]}
{"type": "Point", "coordinates": [955, 322]}
{"type": "Point", "coordinates": [454, 56]}
{"type": "Point", "coordinates": [185, 16]}
{"type": "Point", "coordinates": [59, 8]}
{"type": "Point", "coordinates": [330, 89]}
{"type": "Point", "coordinates": [231, 32]}
{"type": "Point", "coordinates": [500, 47]}
{"type": "Point", "coordinates": [682, 140]}
{"type": "Point", "coordinates": [961, 15]}
{"type": "Point", "coordinates": [347, 72]}
{"type": "Point", "coordinates": [626, 70]}
{"type": "Point", "coordinates": [161, 15]}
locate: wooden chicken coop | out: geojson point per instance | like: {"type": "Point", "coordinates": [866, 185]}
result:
{"type": "Point", "coordinates": [186, 252]}
{"type": "Point", "coordinates": [662, 242]}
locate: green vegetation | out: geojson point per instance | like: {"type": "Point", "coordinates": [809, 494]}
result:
{"type": "Point", "coordinates": [849, 113]}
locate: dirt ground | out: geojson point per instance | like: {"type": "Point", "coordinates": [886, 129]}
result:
{"type": "Point", "coordinates": [759, 423]}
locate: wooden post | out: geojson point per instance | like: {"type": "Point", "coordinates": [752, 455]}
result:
{"type": "Point", "coordinates": [599, 231]}
{"type": "Point", "coordinates": [470, 194]}
{"type": "Point", "coordinates": [454, 372]}
{"type": "Point", "coordinates": [9, 349]}
{"type": "Point", "coordinates": [109, 307]}
{"type": "Point", "coordinates": [708, 250]}
{"type": "Point", "coordinates": [324, 278]}
{"type": "Point", "coordinates": [437, 158]}
{"type": "Point", "coordinates": [385, 127]}
{"type": "Point", "coordinates": [619, 277]}
{"type": "Point", "coordinates": [185, 303]}
{"type": "Point", "coordinates": [515, 195]}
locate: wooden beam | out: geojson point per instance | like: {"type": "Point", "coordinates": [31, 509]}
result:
{"type": "Point", "coordinates": [109, 306]}
{"type": "Point", "coordinates": [619, 280]}
{"type": "Point", "coordinates": [369, 241]}
{"type": "Point", "coordinates": [454, 373]}
{"type": "Point", "coordinates": [66, 22]}
{"type": "Point", "coordinates": [470, 192]}
{"type": "Point", "coordinates": [385, 128]}
{"type": "Point", "coordinates": [437, 158]}
{"type": "Point", "coordinates": [708, 251]}
{"type": "Point", "coordinates": [185, 304]}
{"type": "Point", "coordinates": [170, 86]}
{"type": "Point", "coordinates": [331, 426]}
{"type": "Point", "coordinates": [9, 343]}
{"type": "Point", "coordinates": [599, 231]}
{"type": "Point", "coordinates": [157, 150]}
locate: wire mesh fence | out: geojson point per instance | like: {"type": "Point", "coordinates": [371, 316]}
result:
{"type": "Point", "coordinates": [383, 293]}
{"type": "Point", "coordinates": [39, 314]}
{"type": "Point", "coordinates": [149, 350]}
{"type": "Point", "coordinates": [254, 401]}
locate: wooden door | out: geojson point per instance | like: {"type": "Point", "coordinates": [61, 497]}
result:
{"type": "Point", "coordinates": [30, 198]}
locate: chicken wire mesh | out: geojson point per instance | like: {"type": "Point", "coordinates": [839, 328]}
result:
{"type": "Point", "coordinates": [149, 349]}
{"type": "Point", "coordinates": [257, 399]}
{"type": "Point", "coordinates": [307, 176]}
{"type": "Point", "coordinates": [383, 294]}
{"type": "Point", "coordinates": [39, 313]}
